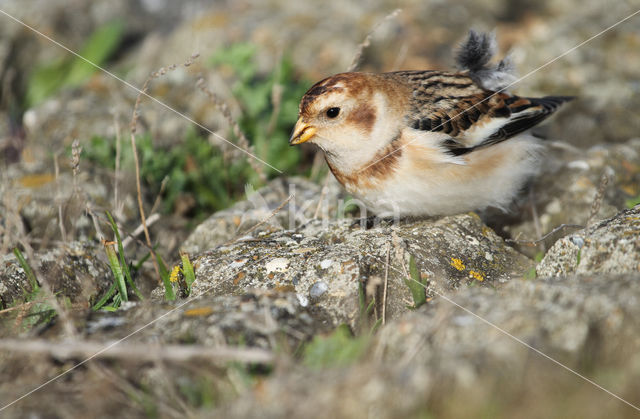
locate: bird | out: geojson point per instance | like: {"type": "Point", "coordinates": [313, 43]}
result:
{"type": "Point", "coordinates": [428, 143]}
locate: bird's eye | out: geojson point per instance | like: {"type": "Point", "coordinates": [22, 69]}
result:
{"type": "Point", "coordinates": [333, 112]}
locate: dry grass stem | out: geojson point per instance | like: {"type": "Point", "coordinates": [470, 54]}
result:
{"type": "Point", "coordinates": [402, 55]}
{"type": "Point", "coordinates": [71, 349]}
{"type": "Point", "coordinates": [276, 100]}
{"type": "Point", "coordinates": [543, 238]}
{"type": "Point", "coordinates": [317, 165]}
{"type": "Point", "coordinates": [24, 306]}
{"type": "Point", "coordinates": [535, 216]}
{"type": "Point", "coordinates": [131, 236]}
{"type": "Point", "coordinates": [76, 149]}
{"type": "Point", "coordinates": [386, 283]}
{"type": "Point", "coordinates": [598, 198]}
{"type": "Point", "coordinates": [58, 198]}
{"type": "Point", "coordinates": [241, 138]}
{"type": "Point", "coordinates": [367, 40]}
{"type": "Point", "coordinates": [163, 186]}
{"type": "Point", "coordinates": [323, 193]}
{"type": "Point", "coordinates": [117, 208]}
{"type": "Point", "coordinates": [133, 127]}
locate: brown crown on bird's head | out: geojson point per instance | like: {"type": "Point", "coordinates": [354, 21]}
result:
{"type": "Point", "coordinates": [340, 108]}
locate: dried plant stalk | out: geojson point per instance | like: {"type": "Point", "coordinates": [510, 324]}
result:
{"type": "Point", "coordinates": [133, 127]}
{"type": "Point", "coordinates": [242, 140]}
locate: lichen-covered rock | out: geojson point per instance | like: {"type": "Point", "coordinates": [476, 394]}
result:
{"type": "Point", "coordinates": [255, 212]}
{"type": "Point", "coordinates": [264, 319]}
{"type": "Point", "coordinates": [448, 362]}
{"type": "Point", "coordinates": [611, 246]}
{"type": "Point", "coordinates": [73, 270]}
{"type": "Point", "coordinates": [569, 184]}
{"type": "Point", "coordinates": [330, 265]}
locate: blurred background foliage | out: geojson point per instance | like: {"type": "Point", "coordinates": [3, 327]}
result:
{"type": "Point", "coordinates": [71, 71]}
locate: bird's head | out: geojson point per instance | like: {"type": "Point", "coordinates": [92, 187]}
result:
{"type": "Point", "coordinates": [350, 116]}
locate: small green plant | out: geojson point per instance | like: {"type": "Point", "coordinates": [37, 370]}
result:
{"type": "Point", "coordinates": [531, 273]}
{"type": "Point", "coordinates": [169, 293]}
{"type": "Point", "coordinates": [118, 291]}
{"type": "Point", "coordinates": [39, 312]}
{"type": "Point", "coordinates": [31, 277]}
{"type": "Point", "coordinates": [338, 349]}
{"type": "Point", "coordinates": [187, 271]}
{"type": "Point", "coordinates": [416, 284]}
{"type": "Point", "coordinates": [632, 202]}
{"type": "Point", "coordinates": [70, 71]}
{"type": "Point", "coordinates": [195, 172]}
{"type": "Point", "coordinates": [366, 310]}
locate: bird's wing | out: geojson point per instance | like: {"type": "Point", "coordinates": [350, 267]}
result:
{"type": "Point", "coordinates": [472, 118]}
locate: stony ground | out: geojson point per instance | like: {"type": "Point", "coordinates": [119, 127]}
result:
{"type": "Point", "coordinates": [296, 309]}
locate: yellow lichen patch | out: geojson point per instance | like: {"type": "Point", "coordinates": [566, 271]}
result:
{"type": "Point", "coordinates": [486, 230]}
{"type": "Point", "coordinates": [477, 275]}
{"type": "Point", "coordinates": [173, 277]}
{"type": "Point", "coordinates": [35, 181]}
{"type": "Point", "coordinates": [457, 263]}
{"type": "Point", "coordinates": [197, 312]}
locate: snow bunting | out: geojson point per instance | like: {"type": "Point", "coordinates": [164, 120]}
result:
{"type": "Point", "coordinates": [427, 142]}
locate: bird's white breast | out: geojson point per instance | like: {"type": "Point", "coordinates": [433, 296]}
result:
{"type": "Point", "coordinates": [427, 182]}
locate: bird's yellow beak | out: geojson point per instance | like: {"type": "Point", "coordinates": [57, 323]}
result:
{"type": "Point", "coordinates": [301, 133]}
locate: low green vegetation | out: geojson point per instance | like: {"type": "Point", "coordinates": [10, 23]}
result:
{"type": "Point", "coordinates": [37, 311]}
{"type": "Point", "coordinates": [118, 292]}
{"type": "Point", "coordinates": [338, 349]}
{"type": "Point", "coordinates": [632, 202]}
{"type": "Point", "coordinates": [198, 178]}
{"type": "Point", "coordinates": [269, 103]}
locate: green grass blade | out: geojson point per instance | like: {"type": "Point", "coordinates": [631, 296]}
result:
{"type": "Point", "coordinates": [114, 263]}
{"type": "Point", "coordinates": [415, 284]}
{"type": "Point", "coordinates": [187, 270]}
{"type": "Point", "coordinates": [123, 263]}
{"type": "Point", "coordinates": [169, 295]}
{"type": "Point", "coordinates": [105, 298]}
{"type": "Point", "coordinates": [101, 44]}
{"type": "Point", "coordinates": [31, 277]}
{"type": "Point", "coordinates": [145, 258]}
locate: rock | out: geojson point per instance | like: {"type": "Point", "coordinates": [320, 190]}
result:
{"type": "Point", "coordinates": [73, 270]}
{"type": "Point", "coordinates": [256, 319]}
{"type": "Point", "coordinates": [331, 264]}
{"type": "Point", "coordinates": [448, 362]}
{"type": "Point", "coordinates": [254, 212]}
{"type": "Point", "coordinates": [609, 247]}
{"type": "Point", "coordinates": [603, 109]}
{"type": "Point", "coordinates": [569, 184]}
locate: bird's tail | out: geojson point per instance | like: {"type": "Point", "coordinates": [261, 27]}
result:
{"type": "Point", "coordinates": [475, 54]}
